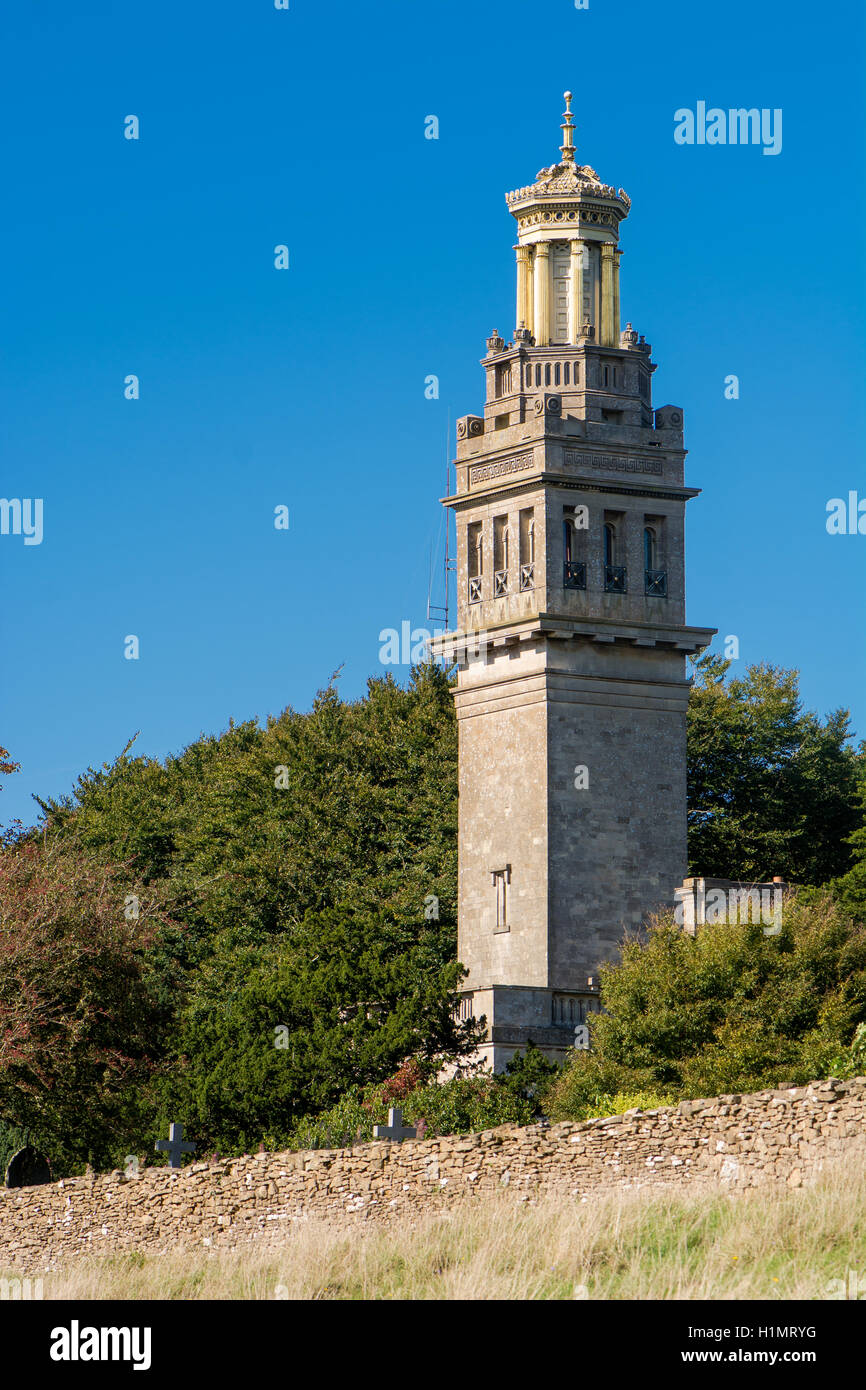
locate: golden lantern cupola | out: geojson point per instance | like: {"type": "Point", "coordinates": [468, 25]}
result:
{"type": "Point", "coordinates": [567, 252]}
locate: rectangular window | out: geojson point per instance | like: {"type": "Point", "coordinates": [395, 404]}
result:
{"type": "Point", "coordinates": [501, 556]}
{"type": "Point", "coordinates": [655, 563]}
{"type": "Point", "coordinates": [475, 552]}
{"type": "Point", "coordinates": [526, 547]}
{"type": "Point", "coordinates": [614, 550]}
{"type": "Point", "coordinates": [501, 542]}
{"type": "Point", "coordinates": [501, 881]}
{"type": "Point", "coordinates": [475, 559]}
{"type": "Point", "coordinates": [573, 550]}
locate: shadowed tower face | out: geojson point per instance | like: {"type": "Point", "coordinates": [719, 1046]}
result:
{"type": "Point", "coordinates": [571, 639]}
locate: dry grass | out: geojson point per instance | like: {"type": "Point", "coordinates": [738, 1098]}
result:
{"type": "Point", "coordinates": [631, 1245]}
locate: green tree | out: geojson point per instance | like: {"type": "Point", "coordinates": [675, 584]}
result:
{"type": "Point", "coordinates": [270, 1035]}
{"type": "Point", "coordinates": [850, 889]}
{"type": "Point", "coordinates": [771, 789]}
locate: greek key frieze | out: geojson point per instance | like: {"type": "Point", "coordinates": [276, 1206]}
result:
{"type": "Point", "coordinates": [482, 473]}
{"type": "Point", "coordinates": [613, 462]}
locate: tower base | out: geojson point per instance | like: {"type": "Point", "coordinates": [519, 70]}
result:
{"type": "Point", "coordinates": [519, 1014]}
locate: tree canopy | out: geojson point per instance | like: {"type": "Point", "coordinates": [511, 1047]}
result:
{"type": "Point", "coordinates": [298, 883]}
{"type": "Point", "coordinates": [772, 789]}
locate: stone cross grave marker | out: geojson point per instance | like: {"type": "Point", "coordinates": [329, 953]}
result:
{"type": "Point", "coordinates": [174, 1145]}
{"type": "Point", "coordinates": [395, 1129]}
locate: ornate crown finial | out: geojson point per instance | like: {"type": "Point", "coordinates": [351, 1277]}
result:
{"type": "Point", "coordinates": [567, 128]}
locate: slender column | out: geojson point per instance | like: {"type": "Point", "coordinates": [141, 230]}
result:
{"type": "Point", "coordinates": [607, 263]}
{"type": "Point", "coordinates": [576, 298]}
{"type": "Point", "coordinates": [541, 331]}
{"type": "Point", "coordinates": [524, 287]}
{"type": "Point", "coordinates": [617, 326]}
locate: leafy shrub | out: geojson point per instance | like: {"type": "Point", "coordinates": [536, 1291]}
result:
{"type": "Point", "coordinates": [565, 1107]}
{"type": "Point", "coordinates": [464, 1104]}
{"type": "Point", "coordinates": [852, 1062]}
{"type": "Point", "coordinates": [11, 1139]}
{"type": "Point", "coordinates": [727, 1010]}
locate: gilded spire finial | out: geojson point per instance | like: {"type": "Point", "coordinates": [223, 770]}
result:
{"type": "Point", "coordinates": [567, 128]}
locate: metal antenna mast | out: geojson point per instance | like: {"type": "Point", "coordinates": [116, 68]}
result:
{"type": "Point", "coordinates": [442, 611]}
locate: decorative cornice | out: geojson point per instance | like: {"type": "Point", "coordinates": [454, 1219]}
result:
{"type": "Point", "coordinates": [567, 180]}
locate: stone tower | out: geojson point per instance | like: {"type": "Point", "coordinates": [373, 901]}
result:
{"type": "Point", "coordinates": [571, 638]}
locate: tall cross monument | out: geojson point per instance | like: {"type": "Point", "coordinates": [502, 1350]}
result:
{"type": "Point", "coordinates": [571, 637]}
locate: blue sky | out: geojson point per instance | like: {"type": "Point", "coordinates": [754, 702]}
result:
{"type": "Point", "coordinates": [305, 387]}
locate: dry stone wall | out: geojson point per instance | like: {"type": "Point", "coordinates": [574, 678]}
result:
{"type": "Point", "coordinates": [783, 1137]}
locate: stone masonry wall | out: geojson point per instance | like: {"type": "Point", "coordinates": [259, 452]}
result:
{"type": "Point", "coordinates": [782, 1137]}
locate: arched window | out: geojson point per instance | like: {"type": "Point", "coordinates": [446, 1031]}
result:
{"type": "Point", "coordinates": [574, 568]}
{"type": "Point", "coordinates": [650, 549]}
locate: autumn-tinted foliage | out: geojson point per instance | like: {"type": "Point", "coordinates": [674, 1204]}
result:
{"type": "Point", "coordinates": [79, 1023]}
